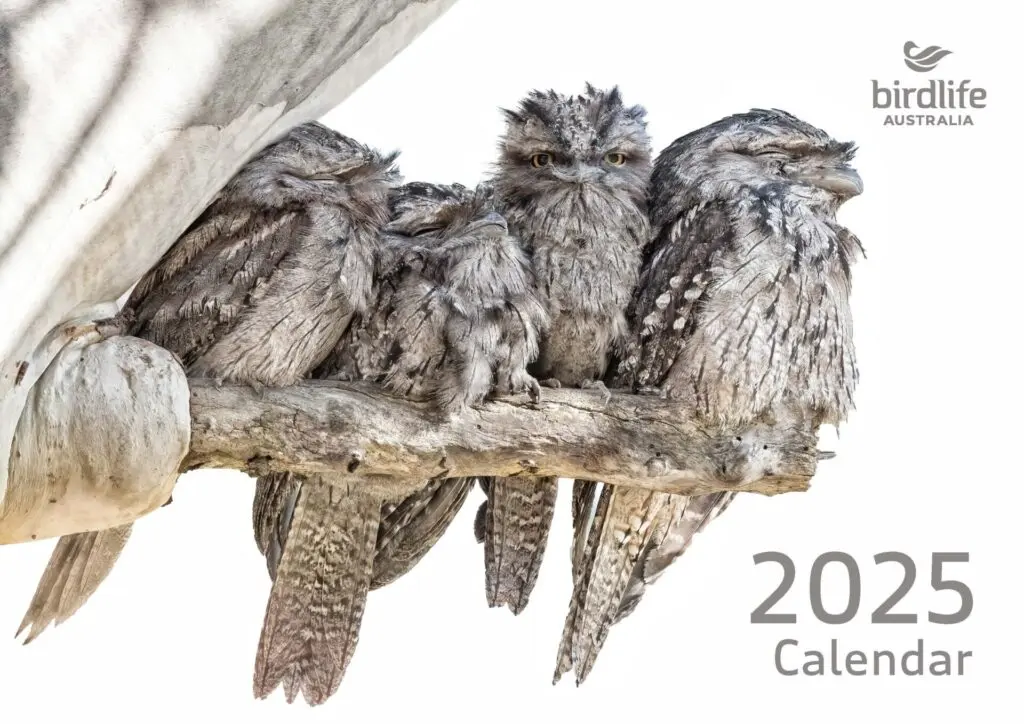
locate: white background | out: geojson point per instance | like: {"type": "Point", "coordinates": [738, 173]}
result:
{"type": "Point", "coordinates": [928, 462]}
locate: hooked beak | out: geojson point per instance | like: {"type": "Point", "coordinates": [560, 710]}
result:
{"type": "Point", "coordinates": [492, 220]}
{"type": "Point", "coordinates": [843, 181]}
{"type": "Point", "coordinates": [577, 174]}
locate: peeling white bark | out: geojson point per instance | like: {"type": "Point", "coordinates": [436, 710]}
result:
{"type": "Point", "coordinates": [100, 441]}
{"type": "Point", "coordinates": [119, 121]}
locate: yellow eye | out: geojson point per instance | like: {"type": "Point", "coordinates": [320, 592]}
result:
{"type": "Point", "coordinates": [539, 160]}
{"type": "Point", "coordinates": [615, 159]}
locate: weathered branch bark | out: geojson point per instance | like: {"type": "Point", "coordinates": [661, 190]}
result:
{"type": "Point", "coordinates": [359, 431]}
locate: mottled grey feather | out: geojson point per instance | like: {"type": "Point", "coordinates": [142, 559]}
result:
{"type": "Point", "coordinates": [517, 517]}
{"type": "Point", "coordinates": [453, 318]}
{"type": "Point", "coordinates": [744, 297]}
{"type": "Point", "coordinates": [319, 593]}
{"type": "Point", "coordinates": [273, 509]}
{"type": "Point", "coordinates": [77, 567]}
{"type": "Point", "coordinates": [456, 314]}
{"type": "Point", "coordinates": [742, 312]}
{"type": "Point", "coordinates": [260, 287]}
{"type": "Point", "coordinates": [624, 521]}
{"type": "Point", "coordinates": [582, 216]}
{"type": "Point", "coordinates": [411, 527]}
{"type": "Point", "coordinates": [687, 517]}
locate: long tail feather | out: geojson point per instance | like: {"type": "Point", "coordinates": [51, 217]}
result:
{"type": "Point", "coordinates": [690, 516]}
{"type": "Point", "coordinates": [624, 522]}
{"type": "Point", "coordinates": [516, 525]}
{"type": "Point", "coordinates": [273, 507]}
{"type": "Point", "coordinates": [588, 506]}
{"type": "Point", "coordinates": [77, 567]}
{"type": "Point", "coordinates": [411, 528]}
{"type": "Point", "coordinates": [316, 603]}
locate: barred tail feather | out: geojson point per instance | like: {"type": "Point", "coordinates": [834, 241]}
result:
{"type": "Point", "coordinates": [516, 525]}
{"type": "Point", "coordinates": [624, 521]}
{"type": "Point", "coordinates": [688, 517]}
{"type": "Point", "coordinates": [319, 593]}
{"type": "Point", "coordinates": [77, 567]}
{"type": "Point", "coordinates": [589, 507]}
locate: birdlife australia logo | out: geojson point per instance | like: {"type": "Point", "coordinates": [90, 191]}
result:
{"type": "Point", "coordinates": [931, 102]}
{"type": "Point", "coordinates": [923, 60]}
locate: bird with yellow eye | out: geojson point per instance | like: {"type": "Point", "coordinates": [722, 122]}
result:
{"type": "Point", "coordinates": [540, 160]}
{"type": "Point", "coordinates": [571, 180]}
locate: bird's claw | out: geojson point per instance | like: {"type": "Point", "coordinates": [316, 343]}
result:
{"type": "Point", "coordinates": [258, 387]}
{"type": "Point", "coordinates": [533, 390]}
{"type": "Point", "coordinates": [115, 326]}
{"type": "Point", "coordinates": [520, 384]}
{"type": "Point", "coordinates": [600, 388]}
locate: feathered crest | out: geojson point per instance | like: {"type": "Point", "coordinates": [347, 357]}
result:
{"type": "Point", "coordinates": [416, 194]}
{"type": "Point", "coordinates": [315, 147]}
{"type": "Point", "coordinates": [577, 128]}
{"type": "Point", "coordinates": [601, 107]}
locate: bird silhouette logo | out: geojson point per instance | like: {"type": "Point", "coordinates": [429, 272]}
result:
{"type": "Point", "coordinates": [922, 60]}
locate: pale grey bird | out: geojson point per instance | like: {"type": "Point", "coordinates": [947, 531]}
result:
{"type": "Point", "coordinates": [455, 317]}
{"type": "Point", "coordinates": [742, 313]}
{"type": "Point", "coordinates": [571, 179]}
{"type": "Point", "coordinates": [258, 290]}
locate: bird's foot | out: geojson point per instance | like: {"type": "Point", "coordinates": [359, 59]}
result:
{"type": "Point", "coordinates": [529, 385]}
{"type": "Point", "coordinates": [111, 327]}
{"type": "Point", "coordinates": [258, 387]}
{"type": "Point", "coordinates": [519, 383]}
{"type": "Point", "coordinates": [600, 388]}
{"type": "Point", "coordinates": [116, 326]}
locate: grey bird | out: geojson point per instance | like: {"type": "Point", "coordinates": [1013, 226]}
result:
{"type": "Point", "coordinates": [571, 179]}
{"type": "Point", "coordinates": [258, 291]}
{"type": "Point", "coordinates": [455, 318]}
{"type": "Point", "coordinates": [742, 314]}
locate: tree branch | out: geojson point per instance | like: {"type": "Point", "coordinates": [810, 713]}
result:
{"type": "Point", "coordinates": [358, 431]}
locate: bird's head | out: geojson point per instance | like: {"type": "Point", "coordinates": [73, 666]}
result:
{"type": "Point", "coordinates": [554, 142]}
{"type": "Point", "coordinates": [453, 237]}
{"type": "Point", "coordinates": [766, 151]}
{"type": "Point", "coordinates": [315, 164]}
{"type": "Point", "coordinates": [433, 216]}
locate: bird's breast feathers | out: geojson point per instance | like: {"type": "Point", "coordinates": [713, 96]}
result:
{"type": "Point", "coordinates": [775, 323]}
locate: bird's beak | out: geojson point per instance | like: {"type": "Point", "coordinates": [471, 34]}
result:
{"type": "Point", "coordinates": [843, 181]}
{"type": "Point", "coordinates": [493, 220]}
{"type": "Point", "coordinates": [577, 173]}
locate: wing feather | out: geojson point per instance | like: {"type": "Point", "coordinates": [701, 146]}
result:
{"type": "Point", "coordinates": [195, 295]}
{"type": "Point", "coordinates": [409, 529]}
{"type": "Point", "coordinates": [676, 277]}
